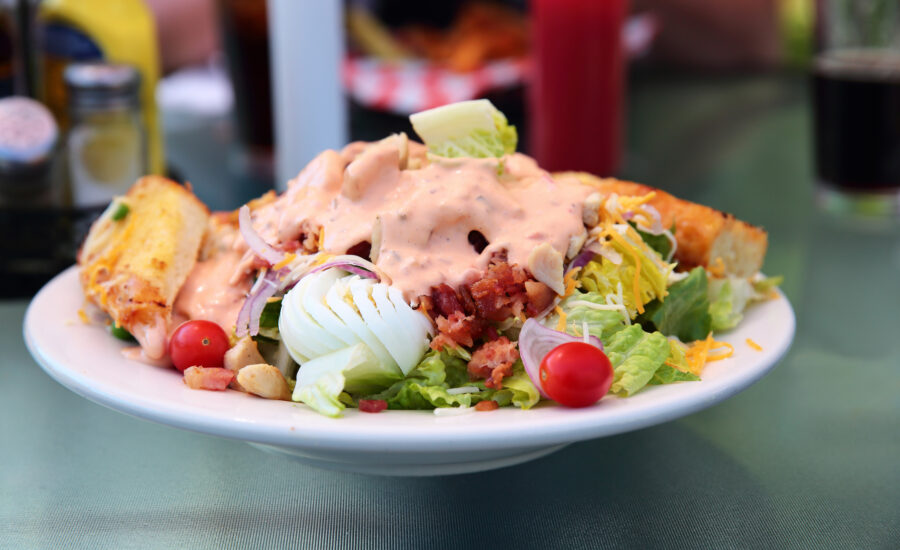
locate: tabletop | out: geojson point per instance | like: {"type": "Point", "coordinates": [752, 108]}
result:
{"type": "Point", "coordinates": [805, 458]}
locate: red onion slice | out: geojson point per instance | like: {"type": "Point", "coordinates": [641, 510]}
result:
{"type": "Point", "coordinates": [536, 341]}
{"type": "Point", "coordinates": [581, 259]}
{"type": "Point", "coordinates": [248, 318]}
{"type": "Point", "coordinates": [256, 243]}
{"type": "Point", "coordinates": [356, 265]}
{"type": "Point", "coordinates": [362, 272]}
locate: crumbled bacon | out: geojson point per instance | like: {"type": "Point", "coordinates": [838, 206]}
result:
{"type": "Point", "coordinates": [500, 293]}
{"type": "Point", "coordinates": [540, 296]}
{"type": "Point", "coordinates": [203, 378]}
{"type": "Point", "coordinates": [493, 361]}
{"type": "Point", "coordinates": [462, 316]}
{"type": "Point", "coordinates": [459, 327]}
{"type": "Point", "coordinates": [445, 300]}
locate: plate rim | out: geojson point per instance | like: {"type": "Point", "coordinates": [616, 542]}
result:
{"type": "Point", "coordinates": [582, 424]}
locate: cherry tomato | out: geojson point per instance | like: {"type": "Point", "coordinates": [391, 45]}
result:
{"type": "Point", "coordinates": [576, 374]}
{"type": "Point", "coordinates": [198, 344]}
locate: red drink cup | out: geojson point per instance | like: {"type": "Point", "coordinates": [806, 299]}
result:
{"type": "Point", "coordinates": [576, 99]}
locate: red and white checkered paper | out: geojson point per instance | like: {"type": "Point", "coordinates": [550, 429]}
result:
{"type": "Point", "coordinates": [407, 87]}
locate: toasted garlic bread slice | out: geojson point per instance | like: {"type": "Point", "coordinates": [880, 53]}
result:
{"type": "Point", "coordinates": [137, 257]}
{"type": "Point", "coordinates": [706, 237]}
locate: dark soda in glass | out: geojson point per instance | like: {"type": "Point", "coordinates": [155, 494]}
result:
{"type": "Point", "coordinates": [856, 97]}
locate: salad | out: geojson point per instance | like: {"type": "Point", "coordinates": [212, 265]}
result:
{"type": "Point", "coordinates": [453, 275]}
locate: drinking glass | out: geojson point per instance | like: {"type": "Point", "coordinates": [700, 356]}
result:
{"type": "Point", "coordinates": [856, 106]}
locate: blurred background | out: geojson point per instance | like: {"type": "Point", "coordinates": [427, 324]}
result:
{"type": "Point", "coordinates": [235, 96]}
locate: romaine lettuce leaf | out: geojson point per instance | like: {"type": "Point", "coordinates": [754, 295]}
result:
{"type": "Point", "coordinates": [517, 389]}
{"type": "Point", "coordinates": [635, 356]}
{"type": "Point", "coordinates": [674, 369]}
{"type": "Point", "coordinates": [425, 387]}
{"type": "Point", "coordinates": [730, 296]}
{"type": "Point", "coordinates": [684, 312]}
{"type": "Point", "coordinates": [660, 243]}
{"type": "Point", "coordinates": [466, 129]}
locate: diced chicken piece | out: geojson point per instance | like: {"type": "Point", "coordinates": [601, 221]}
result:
{"type": "Point", "coordinates": [576, 242]}
{"type": "Point", "coordinates": [239, 356]}
{"type": "Point", "coordinates": [590, 210]}
{"type": "Point", "coordinates": [265, 381]}
{"type": "Point", "coordinates": [546, 265]}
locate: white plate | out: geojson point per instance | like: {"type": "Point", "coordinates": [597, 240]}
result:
{"type": "Point", "coordinates": [87, 360]}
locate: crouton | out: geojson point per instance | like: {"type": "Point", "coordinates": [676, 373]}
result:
{"type": "Point", "coordinates": [138, 254]}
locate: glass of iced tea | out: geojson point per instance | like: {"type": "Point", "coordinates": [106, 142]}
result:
{"type": "Point", "coordinates": [856, 106]}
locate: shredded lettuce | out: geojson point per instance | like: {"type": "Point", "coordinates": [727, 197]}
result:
{"type": "Point", "coordinates": [636, 356]}
{"type": "Point", "coordinates": [466, 129]}
{"type": "Point", "coordinates": [684, 312]}
{"type": "Point", "coordinates": [604, 277]}
{"type": "Point", "coordinates": [601, 323]}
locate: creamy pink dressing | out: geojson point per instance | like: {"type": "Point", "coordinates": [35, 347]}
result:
{"type": "Point", "coordinates": [426, 214]}
{"type": "Point", "coordinates": [208, 293]}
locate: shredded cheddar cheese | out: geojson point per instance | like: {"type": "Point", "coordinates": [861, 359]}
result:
{"type": "Point", "coordinates": [84, 317]}
{"type": "Point", "coordinates": [321, 241]}
{"type": "Point", "coordinates": [636, 283]}
{"type": "Point", "coordinates": [717, 267]}
{"type": "Point", "coordinates": [754, 345]}
{"type": "Point", "coordinates": [699, 353]}
{"type": "Point", "coordinates": [561, 324]}
{"type": "Point", "coordinates": [632, 203]}
{"type": "Point", "coordinates": [288, 258]}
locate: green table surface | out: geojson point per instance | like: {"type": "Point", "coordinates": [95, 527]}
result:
{"type": "Point", "coordinates": [809, 457]}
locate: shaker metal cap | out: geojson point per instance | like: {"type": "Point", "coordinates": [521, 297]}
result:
{"type": "Point", "coordinates": [100, 84]}
{"type": "Point", "coordinates": [28, 132]}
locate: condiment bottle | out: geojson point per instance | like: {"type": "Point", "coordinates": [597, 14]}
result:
{"type": "Point", "coordinates": [106, 149]}
{"type": "Point", "coordinates": [116, 31]}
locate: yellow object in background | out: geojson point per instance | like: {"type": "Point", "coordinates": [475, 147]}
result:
{"type": "Point", "coordinates": [120, 31]}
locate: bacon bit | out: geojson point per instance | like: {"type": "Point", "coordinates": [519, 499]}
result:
{"type": "Point", "coordinates": [561, 324]}
{"type": "Point", "coordinates": [445, 300]}
{"type": "Point", "coordinates": [458, 328]}
{"type": "Point", "coordinates": [203, 378]}
{"type": "Point", "coordinates": [493, 361]}
{"type": "Point", "coordinates": [288, 258]}
{"type": "Point", "coordinates": [488, 405]}
{"type": "Point", "coordinates": [698, 353]}
{"type": "Point", "coordinates": [500, 287]}
{"type": "Point", "coordinates": [84, 317]}
{"type": "Point", "coordinates": [717, 267]}
{"type": "Point", "coordinates": [539, 295]}
{"type": "Point", "coordinates": [754, 345]}
{"type": "Point", "coordinates": [372, 405]}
